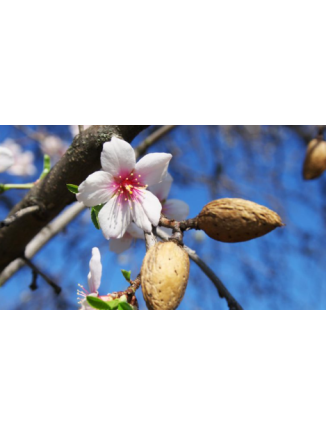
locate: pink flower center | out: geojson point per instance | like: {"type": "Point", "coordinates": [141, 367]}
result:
{"type": "Point", "coordinates": [128, 188]}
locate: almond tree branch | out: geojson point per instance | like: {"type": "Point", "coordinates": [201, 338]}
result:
{"type": "Point", "coordinates": [20, 213]}
{"type": "Point", "coordinates": [222, 290]}
{"type": "Point", "coordinates": [51, 193]}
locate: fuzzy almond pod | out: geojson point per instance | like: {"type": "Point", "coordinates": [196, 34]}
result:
{"type": "Point", "coordinates": [164, 276]}
{"type": "Point", "coordinates": [315, 161]}
{"type": "Point", "coordinates": [237, 220]}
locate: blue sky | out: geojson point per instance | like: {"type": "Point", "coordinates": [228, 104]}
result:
{"type": "Point", "coordinates": [283, 270]}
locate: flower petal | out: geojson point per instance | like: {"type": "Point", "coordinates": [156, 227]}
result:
{"type": "Point", "coordinates": [6, 159]}
{"type": "Point", "coordinates": [114, 218]}
{"type": "Point", "coordinates": [118, 157]}
{"type": "Point", "coordinates": [162, 190]}
{"type": "Point", "coordinates": [175, 209]}
{"type": "Point", "coordinates": [153, 167]}
{"type": "Point", "coordinates": [96, 189]}
{"type": "Point", "coordinates": [120, 245]}
{"type": "Point", "coordinates": [95, 274]}
{"type": "Point", "coordinates": [146, 211]}
{"type": "Point", "coordinates": [135, 232]}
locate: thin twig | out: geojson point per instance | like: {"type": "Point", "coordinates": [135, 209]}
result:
{"type": "Point", "coordinates": [130, 293]}
{"type": "Point", "coordinates": [321, 130]}
{"type": "Point", "coordinates": [80, 128]}
{"type": "Point", "coordinates": [134, 284]}
{"type": "Point", "coordinates": [9, 220]}
{"type": "Point", "coordinates": [31, 134]}
{"type": "Point", "coordinates": [222, 290]}
{"type": "Point", "coordinates": [33, 285]}
{"type": "Point", "coordinates": [152, 138]}
{"type": "Point", "coordinates": [35, 269]}
{"type": "Point", "coordinates": [150, 240]}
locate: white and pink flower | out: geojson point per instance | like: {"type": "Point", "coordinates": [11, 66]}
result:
{"type": "Point", "coordinates": [122, 187]}
{"type": "Point", "coordinates": [94, 281]}
{"type": "Point", "coordinates": [171, 208]}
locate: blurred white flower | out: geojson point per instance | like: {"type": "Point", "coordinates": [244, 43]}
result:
{"type": "Point", "coordinates": [171, 208]}
{"type": "Point", "coordinates": [23, 161]}
{"type": "Point", "coordinates": [199, 236]}
{"type": "Point", "coordinates": [74, 130]}
{"type": "Point", "coordinates": [54, 147]}
{"type": "Point", "coordinates": [6, 159]}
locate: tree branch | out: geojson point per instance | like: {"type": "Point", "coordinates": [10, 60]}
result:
{"type": "Point", "coordinates": [20, 213]}
{"type": "Point", "coordinates": [51, 193]}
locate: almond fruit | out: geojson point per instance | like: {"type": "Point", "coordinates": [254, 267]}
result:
{"type": "Point", "coordinates": [236, 220]}
{"type": "Point", "coordinates": [315, 161]}
{"type": "Point", "coordinates": [164, 276]}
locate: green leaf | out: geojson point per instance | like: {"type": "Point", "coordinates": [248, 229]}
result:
{"type": "Point", "coordinates": [98, 208]}
{"type": "Point", "coordinates": [46, 166]}
{"type": "Point", "coordinates": [114, 304]}
{"type": "Point", "coordinates": [94, 215]}
{"type": "Point", "coordinates": [97, 303]}
{"type": "Point", "coordinates": [126, 274]}
{"type": "Point", "coordinates": [124, 306]}
{"type": "Point", "coordinates": [72, 188]}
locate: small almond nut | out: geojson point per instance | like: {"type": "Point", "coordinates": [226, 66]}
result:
{"type": "Point", "coordinates": [315, 161]}
{"type": "Point", "coordinates": [236, 220]}
{"type": "Point", "coordinates": [164, 276]}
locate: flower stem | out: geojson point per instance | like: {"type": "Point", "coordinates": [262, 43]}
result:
{"type": "Point", "coordinates": [5, 187]}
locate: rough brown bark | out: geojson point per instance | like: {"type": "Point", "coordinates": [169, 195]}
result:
{"type": "Point", "coordinates": [51, 193]}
